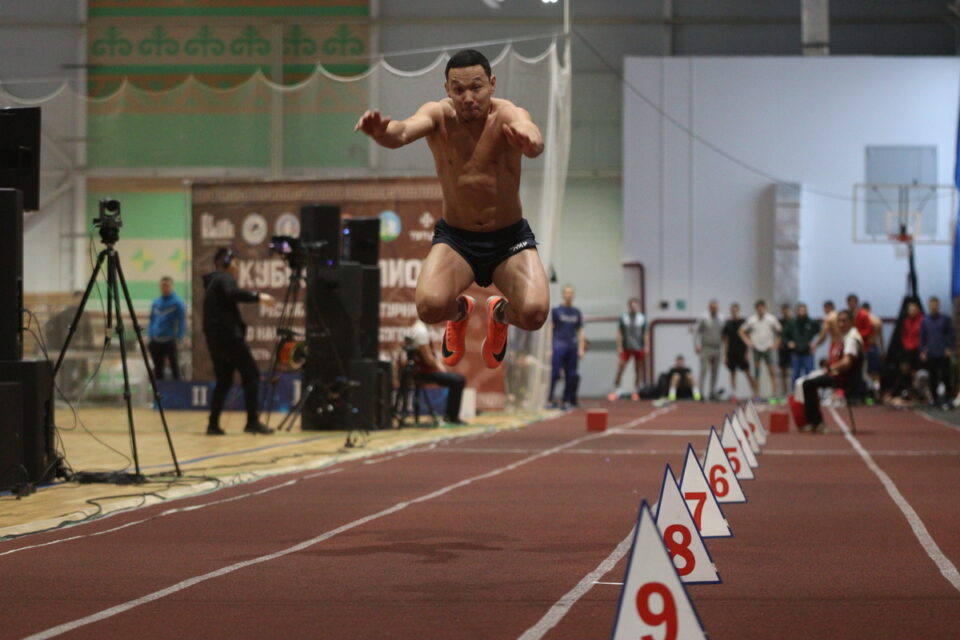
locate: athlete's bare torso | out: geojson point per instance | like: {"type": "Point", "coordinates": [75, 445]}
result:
{"type": "Point", "coordinates": [479, 170]}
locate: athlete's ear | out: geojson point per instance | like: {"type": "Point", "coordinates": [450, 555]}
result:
{"type": "Point", "coordinates": [493, 83]}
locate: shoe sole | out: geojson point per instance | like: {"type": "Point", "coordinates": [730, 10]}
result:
{"type": "Point", "coordinates": [490, 359]}
{"type": "Point", "coordinates": [452, 358]}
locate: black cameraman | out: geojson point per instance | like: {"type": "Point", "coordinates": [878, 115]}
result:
{"type": "Point", "coordinates": [225, 331]}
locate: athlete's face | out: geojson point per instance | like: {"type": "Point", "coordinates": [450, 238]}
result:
{"type": "Point", "coordinates": [634, 307]}
{"type": "Point", "coordinates": [734, 311]}
{"type": "Point", "coordinates": [714, 307]}
{"type": "Point", "coordinates": [934, 306]}
{"type": "Point", "coordinates": [802, 311]}
{"type": "Point", "coordinates": [843, 322]}
{"type": "Point", "coordinates": [913, 309]}
{"type": "Point", "coordinates": [470, 89]}
{"type": "Point", "coordinates": [165, 288]}
{"type": "Point", "coordinates": [568, 296]}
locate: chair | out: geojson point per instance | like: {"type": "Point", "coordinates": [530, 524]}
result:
{"type": "Point", "coordinates": [409, 394]}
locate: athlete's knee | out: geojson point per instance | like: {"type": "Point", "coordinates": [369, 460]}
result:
{"type": "Point", "coordinates": [530, 316]}
{"type": "Point", "coordinates": [431, 307]}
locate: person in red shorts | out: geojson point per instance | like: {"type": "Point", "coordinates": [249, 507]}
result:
{"type": "Point", "coordinates": [632, 334]}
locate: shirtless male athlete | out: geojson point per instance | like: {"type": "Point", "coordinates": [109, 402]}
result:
{"type": "Point", "coordinates": [476, 141]}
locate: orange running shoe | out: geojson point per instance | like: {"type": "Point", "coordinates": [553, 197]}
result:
{"type": "Point", "coordinates": [494, 346]}
{"type": "Point", "coordinates": [455, 335]}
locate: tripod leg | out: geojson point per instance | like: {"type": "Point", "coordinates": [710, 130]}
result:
{"type": "Point", "coordinates": [296, 410]}
{"type": "Point", "coordinates": [76, 318]}
{"type": "Point", "coordinates": [286, 317]}
{"type": "Point", "coordinates": [146, 361]}
{"type": "Point", "coordinates": [113, 293]}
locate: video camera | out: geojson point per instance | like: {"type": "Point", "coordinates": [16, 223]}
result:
{"type": "Point", "coordinates": [109, 220]}
{"type": "Point", "coordinates": [290, 249]}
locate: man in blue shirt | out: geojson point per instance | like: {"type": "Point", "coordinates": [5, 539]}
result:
{"type": "Point", "coordinates": [936, 342]}
{"type": "Point", "coordinates": [168, 321]}
{"type": "Point", "coordinates": [569, 346]}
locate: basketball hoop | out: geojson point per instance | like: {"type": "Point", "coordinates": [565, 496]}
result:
{"type": "Point", "coordinates": [901, 237]}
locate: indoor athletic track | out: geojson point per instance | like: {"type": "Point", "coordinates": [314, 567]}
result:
{"type": "Point", "coordinates": [512, 535]}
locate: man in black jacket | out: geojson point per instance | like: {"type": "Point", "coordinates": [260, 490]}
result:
{"type": "Point", "coordinates": [224, 330]}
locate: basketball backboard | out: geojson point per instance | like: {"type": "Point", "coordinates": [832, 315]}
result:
{"type": "Point", "coordinates": [892, 213]}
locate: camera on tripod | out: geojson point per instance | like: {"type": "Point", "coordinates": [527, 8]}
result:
{"type": "Point", "coordinates": [109, 220]}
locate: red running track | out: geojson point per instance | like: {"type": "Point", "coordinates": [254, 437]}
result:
{"type": "Point", "coordinates": [482, 537]}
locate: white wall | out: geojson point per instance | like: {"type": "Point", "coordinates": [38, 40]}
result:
{"type": "Point", "coordinates": [702, 224]}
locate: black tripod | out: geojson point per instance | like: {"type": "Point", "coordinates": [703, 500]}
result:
{"type": "Point", "coordinates": [109, 235]}
{"type": "Point", "coordinates": [284, 334]}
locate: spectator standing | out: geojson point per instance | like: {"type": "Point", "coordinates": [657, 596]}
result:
{"type": "Point", "coordinates": [861, 318]}
{"type": "Point", "coordinates": [735, 349]}
{"type": "Point", "coordinates": [168, 322]}
{"type": "Point", "coordinates": [910, 334]}
{"type": "Point", "coordinates": [708, 343]}
{"type": "Point", "coordinates": [784, 351]}
{"type": "Point", "coordinates": [569, 345]}
{"type": "Point", "coordinates": [225, 331]}
{"type": "Point", "coordinates": [936, 341]}
{"type": "Point", "coordinates": [874, 349]}
{"type": "Point", "coordinates": [631, 343]}
{"type": "Point", "coordinates": [761, 333]}
{"type": "Point", "coordinates": [799, 333]}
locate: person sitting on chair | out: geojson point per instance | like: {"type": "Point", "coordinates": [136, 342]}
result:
{"type": "Point", "coordinates": [431, 370]}
{"type": "Point", "coordinates": [844, 373]}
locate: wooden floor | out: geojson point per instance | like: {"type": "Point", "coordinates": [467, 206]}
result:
{"type": "Point", "coordinates": [98, 439]}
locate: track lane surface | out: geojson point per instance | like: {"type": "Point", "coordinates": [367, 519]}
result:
{"type": "Point", "coordinates": [819, 551]}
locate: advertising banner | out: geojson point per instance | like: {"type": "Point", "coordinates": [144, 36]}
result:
{"type": "Point", "coordinates": [246, 216]}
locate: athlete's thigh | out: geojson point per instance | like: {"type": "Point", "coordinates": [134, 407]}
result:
{"type": "Point", "coordinates": [522, 279]}
{"type": "Point", "coordinates": [445, 273]}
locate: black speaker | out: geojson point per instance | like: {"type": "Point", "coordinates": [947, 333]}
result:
{"type": "Point", "coordinates": [11, 274]}
{"type": "Point", "coordinates": [361, 240]}
{"type": "Point", "coordinates": [36, 383]}
{"type": "Point", "coordinates": [12, 469]}
{"type": "Point", "coordinates": [334, 307]}
{"type": "Point", "coordinates": [20, 153]}
{"type": "Point", "coordinates": [384, 393]}
{"type": "Point", "coordinates": [320, 233]}
{"type": "Point", "coordinates": [370, 313]}
{"type": "Point", "coordinates": [364, 400]}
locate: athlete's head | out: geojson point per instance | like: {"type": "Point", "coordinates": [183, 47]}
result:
{"type": "Point", "coordinates": [567, 294]}
{"type": "Point", "coordinates": [853, 301]}
{"type": "Point", "coordinates": [934, 305]}
{"type": "Point", "coordinates": [633, 304]}
{"type": "Point", "coordinates": [785, 310]}
{"type": "Point", "coordinates": [913, 309]}
{"type": "Point", "coordinates": [828, 306]}
{"type": "Point", "coordinates": [470, 84]}
{"type": "Point", "coordinates": [714, 307]}
{"type": "Point", "coordinates": [801, 310]}
{"type": "Point", "coordinates": [166, 286]}
{"type": "Point", "coordinates": [761, 307]}
{"type": "Point", "coordinates": [734, 310]}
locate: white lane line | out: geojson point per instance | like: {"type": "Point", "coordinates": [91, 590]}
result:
{"type": "Point", "coordinates": [616, 584]}
{"type": "Point", "coordinates": [943, 563]}
{"type": "Point", "coordinates": [659, 452]}
{"type": "Point", "coordinates": [185, 584]}
{"type": "Point", "coordinates": [170, 512]}
{"type": "Point", "coordinates": [564, 604]}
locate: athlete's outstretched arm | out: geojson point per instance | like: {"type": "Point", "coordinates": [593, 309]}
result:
{"type": "Point", "coordinates": [396, 133]}
{"type": "Point", "coordinates": [521, 133]}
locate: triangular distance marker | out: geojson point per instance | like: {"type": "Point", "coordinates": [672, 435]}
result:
{"type": "Point", "coordinates": [742, 438]}
{"type": "Point", "coordinates": [690, 556]}
{"type": "Point", "coordinates": [736, 452]}
{"type": "Point", "coordinates": [653, 602]}
{"type": "Point", "coordinates": [707, 513]}
{"type": "Point", "coordinates": [754, 418]}
{"type": "Point", "coordinates": [716, 466]}
{"type": "Point", "coordinates": [749, 432]}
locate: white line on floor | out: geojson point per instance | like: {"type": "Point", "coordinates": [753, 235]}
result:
{"type": "Point", "coordinates": [170, 512]}
{"type": "Point", "coordinates": [564, 604]}
{"type": "Point", "coordinates": [185, 584]}
{"type": "Point", "coordinates": [943, 563]}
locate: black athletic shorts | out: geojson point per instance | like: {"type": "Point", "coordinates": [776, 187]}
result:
{"type": "Point", "coordinates": [737, 362]}
{"type": "Point", "coordinates": [485, 250]}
